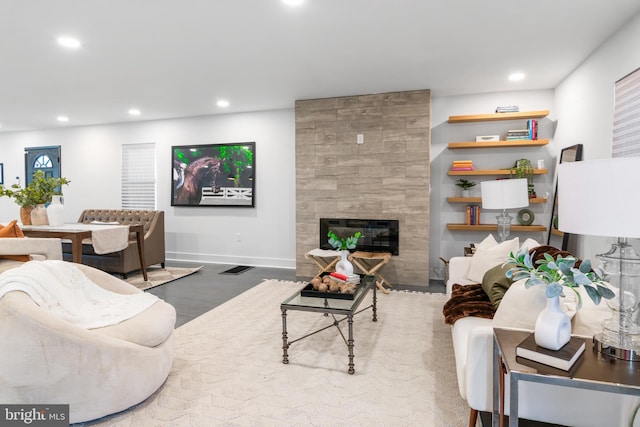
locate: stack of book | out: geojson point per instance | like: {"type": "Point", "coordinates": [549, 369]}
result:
{"type": "Point", "coordinates": [561, 359]}
{"type": "Point", "coordinates": [473, 215]}
{"type": "Point", "coordinates": [462, 165]}
{"type": "Point", "coordinates": [514, 134]}
{"type": "Point", "coordinates": [508, 109]}
{"type": "Point", "coordinates": [531, 132]}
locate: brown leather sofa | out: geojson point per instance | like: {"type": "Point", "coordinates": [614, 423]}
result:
{"type": "Point", "coordinates": [127, 260]}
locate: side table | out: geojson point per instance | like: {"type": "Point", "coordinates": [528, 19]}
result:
{"type": "Point", "coordinates": [592, 371]}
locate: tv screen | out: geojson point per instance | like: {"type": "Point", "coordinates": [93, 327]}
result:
{"type": "Point", "coordinates": [213, 175]}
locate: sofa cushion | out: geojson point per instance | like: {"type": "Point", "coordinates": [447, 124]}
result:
{"type": "Point", "coordinates": [486, 258]}
{"type": "Point", "coordinates": [12, 230]}
{"type": "Point", "coordinates": [495, 283]}
{"type": "Point", "coordinates": [150, 328]}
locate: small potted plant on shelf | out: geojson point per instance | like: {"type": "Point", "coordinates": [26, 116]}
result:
{"type": "Point", "coordinates": [465, 186]}
{"type": "Point", "coordinates": [40, 191]}
{"type": "Point", "coordinates": [524, 169]}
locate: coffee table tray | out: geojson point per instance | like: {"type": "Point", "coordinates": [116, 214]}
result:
{"type": "Point", "coordinates": [308, 291]}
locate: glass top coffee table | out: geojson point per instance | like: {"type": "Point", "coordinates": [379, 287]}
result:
{"type": "Point", "coordinates": [329, 306]}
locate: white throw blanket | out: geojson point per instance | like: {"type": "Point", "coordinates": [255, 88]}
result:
{"type": "Point", "coordinates": [62, 289]}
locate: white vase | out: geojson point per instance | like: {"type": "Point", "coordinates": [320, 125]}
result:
{"type": "Point", "coordinates": [39, 215]}
{"type": "Point", "coordinates": [55, 211]}
{"type": "Point", "coordinates": [553, 326]}
{"type": "Point", "coordinates": [344, 266]}
{"type": "Point", "coordinates": [465, 193]}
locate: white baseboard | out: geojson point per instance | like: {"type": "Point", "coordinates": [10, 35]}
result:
{"type": "Point", "coordinates": [232, 260]}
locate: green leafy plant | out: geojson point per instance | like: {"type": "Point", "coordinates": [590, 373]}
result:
{"type": "Point", "coordinates": [39, 191]}
{"type": "Point", "coordinates": [342, 244]}
{"type": "Point", "coordinates": [557, 274]}
{"type": "Point", "coordinates": [524, 169]}
{"type": "Point", "coordinates": [465, 184]}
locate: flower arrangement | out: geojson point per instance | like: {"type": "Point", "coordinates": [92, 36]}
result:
{"type": "Point", "coordinates": [39, 191]}
{"type": "Point", "coordinates": [557, 274]}
{"type": "Point", "coordinates": [342, 244]}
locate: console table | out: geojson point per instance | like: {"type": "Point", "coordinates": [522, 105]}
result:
{"type": "Point", "coordinates": [593, 371]}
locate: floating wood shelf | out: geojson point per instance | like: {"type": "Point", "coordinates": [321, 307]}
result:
{"type": "Point", "coordinates": [494, 227]}
{"type": "Point", "coordinates": [479, 172]}
{"type": "Point", "coordinates": [557, 232]}
{"type": "Point", "coordinates": [479, 200]}
{"type": "Point", "coordinates": [499, 144]}
{"type": "Point", "coordinates": [499, 116]}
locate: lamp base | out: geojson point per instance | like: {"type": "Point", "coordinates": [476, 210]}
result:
{"type": "Point", "coordinates": [504, 225]}
{"type": "Point", "coordinates": [619, 353]}
{"type": "Point", "coordinates": [620, 335]}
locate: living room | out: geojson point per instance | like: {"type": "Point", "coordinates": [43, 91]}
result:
{"type": "Point", "coordinates": [580, 111]}
{"type": "Point", "coordinates": [91, 154]}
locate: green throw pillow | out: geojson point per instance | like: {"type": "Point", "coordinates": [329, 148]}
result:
{"type": "Point", "coordinates": [495, 283]}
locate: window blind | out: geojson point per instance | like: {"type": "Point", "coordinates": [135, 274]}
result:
{"type": "Point", "coordinates": [626, 116]}
{"type": "Point", "coordinates": [139, 176]}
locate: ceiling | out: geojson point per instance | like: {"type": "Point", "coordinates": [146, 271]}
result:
{"type": "Point", "coordinates": [173, 58]}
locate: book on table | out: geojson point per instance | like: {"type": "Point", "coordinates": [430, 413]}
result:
{"type": "Point", "coordinates": [563, 358]}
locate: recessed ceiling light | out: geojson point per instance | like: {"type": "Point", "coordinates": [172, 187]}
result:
{"type": "Point", "coordinates": [516, 76]}
{"type": "Point", "coordinates": [293, 2]}
{"type": "Point", "coordinates": [69, 42]}
{"type": "Point", "coordinates": [222, 103]}
{"type": "Point", "coordinates": [134, 112]}
{"type": "Point", "coordinates": [63, 118]}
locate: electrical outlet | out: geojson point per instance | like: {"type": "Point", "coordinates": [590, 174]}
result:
{"type": "Point", "coordinates": [238, 237]}
{"type": "Point", "coordinates": [360, 138]}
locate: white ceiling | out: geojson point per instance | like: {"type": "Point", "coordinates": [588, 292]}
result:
{"type": "Point", "coordinates": [175, 58]}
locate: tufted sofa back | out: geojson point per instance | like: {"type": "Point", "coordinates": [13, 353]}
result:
{"type": "Point", "coordinates": [122, 216]}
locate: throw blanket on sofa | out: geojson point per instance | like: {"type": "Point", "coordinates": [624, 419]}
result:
{"type": "Point", "coordinates": [62, 289]}
{"type": "Point", "coordinates": [467, 300]}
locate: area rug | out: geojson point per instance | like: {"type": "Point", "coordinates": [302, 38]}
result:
{"type": "Point", "coordinates": [159, 276]}
{"type": "Point", "coordinates": [228, 368]}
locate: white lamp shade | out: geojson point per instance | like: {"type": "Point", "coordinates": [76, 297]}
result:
{"type": "Point", "coordinates": [600, 197]}
{"type": "Point", "coordinates": [504, 194]}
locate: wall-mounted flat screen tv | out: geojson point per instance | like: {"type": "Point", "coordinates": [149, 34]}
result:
{"type": "Point", "coordinates": [213, 175]}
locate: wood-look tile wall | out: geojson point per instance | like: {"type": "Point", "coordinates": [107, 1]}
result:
{"type": "Point", "coordinates": [386, 177]}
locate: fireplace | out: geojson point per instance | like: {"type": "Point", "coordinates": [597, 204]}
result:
{"type": "Point", "coordinates": [378, 235]}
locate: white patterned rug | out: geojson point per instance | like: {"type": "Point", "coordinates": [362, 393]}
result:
{"type": "Point", "coordinates": [158, 276]}
{"type": "Point", "coordinates": [228, 368]}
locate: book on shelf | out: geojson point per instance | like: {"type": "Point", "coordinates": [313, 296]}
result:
{"type": "Point", "coordinates": [508, 109]}
{"type": "Point", "coordinates": [472, 215]}
{"type": "Point", "coordinates": [462, 165]}
{"type": "Point", "coordinates": [532, 126]}
{"type": "Point", "coordinates": [561, 359]}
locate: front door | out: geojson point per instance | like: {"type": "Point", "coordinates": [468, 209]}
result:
{"type": "Point", "coordinates": [46, 159]}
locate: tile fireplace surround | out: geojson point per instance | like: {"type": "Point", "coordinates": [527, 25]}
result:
{"type": "Point", "coordinates": [385, 177]}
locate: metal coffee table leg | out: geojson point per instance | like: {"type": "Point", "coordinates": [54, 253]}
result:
{"type": "Point", "coordinates": [285, 343]}
{"type": "Point", "coordinates": [350, 343]}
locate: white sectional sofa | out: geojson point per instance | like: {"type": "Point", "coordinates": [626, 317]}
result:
{"type": "Point", "coordinates": [473, 348]}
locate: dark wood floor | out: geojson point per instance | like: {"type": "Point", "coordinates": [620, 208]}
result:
{"type": "Point", "coordinates": [200, 292]}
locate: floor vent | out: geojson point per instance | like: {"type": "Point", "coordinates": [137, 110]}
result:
{"type": "Point", "coordinates": [237, 270]}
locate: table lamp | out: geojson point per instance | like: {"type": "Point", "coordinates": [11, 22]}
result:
{"type": "Point", "coordinates": [599, 198]}
{"type": "Point", "coordinates": [504, 194]}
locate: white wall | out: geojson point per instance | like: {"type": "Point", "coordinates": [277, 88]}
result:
{"type": "Point", "coordinates": [91, 160]}
{"type": "Point", "coordinates": [585, 103]}
{"type": "Point", "coordinates": [444, 243]}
